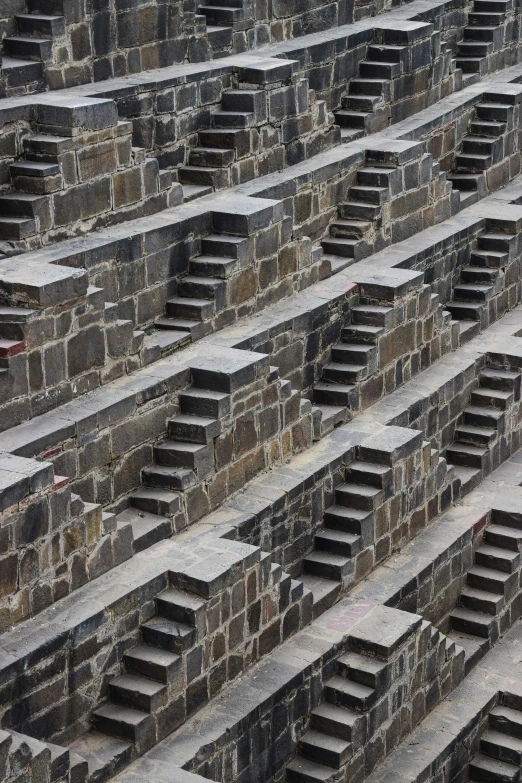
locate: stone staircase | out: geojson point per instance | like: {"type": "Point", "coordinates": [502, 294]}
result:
{"type": "Point", "coordinates": [483, 147]}
{"type": "Point", "coordinates": [366, 108]}
{"type": "Point", "coordinates": [230, 152]}
{"type": "Point", "coordinates": [482, 37]}
{"type": "Point", "coordinates": [500, 748]}
{"type": "Point", "coordinates": [484, 607]}
{"type": "Point", "coordinates": [348, 529]}
{"type": "Point", "coordinates": [12, 337]}
{"type": "Point", "coordinates": [480, 281]}
{"type": "Point", "coordinates": [204, 292]}
{"type": "Point", "coordinates": [355, 233]}
{"type": "Point", "coordinates": [353, 359]}
{"type": "Point", "coordinates": [49, 184]}
{"type": "Point", "coordinates": [482, 426]}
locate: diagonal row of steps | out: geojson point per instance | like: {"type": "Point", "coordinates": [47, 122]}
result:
{"type": "Point", "coordinates": [352, 233]}
{"type": "Point", "coordinates": [353, 360]}
{"type": "Point", "coordinates": [480, 281]}
{"type": "Point", "coordinates": [491, 583]}
{"type": "Point", "coordinates": [364, 108]}
{"type": "Point", "coordinates": [481, 148]}
{"type": "Point", "coordinates": [338, 722]}
{"type": "Point", "coordinates": [483, 421]}
{"type": "Point", "coordinates": [482, 36]}
{"type": "Point", "coordinates": [203, 292]}
{"type": "Point", "coordinates": [499, 759]}
{"type": "Point", "coordinates": [348, 528]}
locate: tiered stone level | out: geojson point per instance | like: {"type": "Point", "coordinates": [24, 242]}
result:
{"type": "Point", "coordinates": [260, 391]}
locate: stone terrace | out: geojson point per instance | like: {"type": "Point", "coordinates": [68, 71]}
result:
{"type": "Point", "coordinates": [260, 391]}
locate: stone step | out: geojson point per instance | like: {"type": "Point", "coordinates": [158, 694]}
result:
{"type": "Point", "coordinates": [372, 69]}
{"type": "Point", "coordinates": [502, 747]}
{"type": "Point", "coordinates": [17, 227]}
{"type": "Point", "coordinates": [191, 309]}
{"type": "Point", "coordinates": [486, 18]}
{"type": "Point", "coordinates": [204, 176]}
{"type": "Point", "coordinates": [338, 542]}
{"type": "Point", "coordinates": [361, 496]}
{"type": "Point", "coordinates": [362, 333]}
{"type": "Point", "coordinates": [499, 242]}
{"type": "Point", "coordinates": [251, 101]}
{"type": "Point", "coordinates": [212, 158]}
{"type": "Point", "coordinates": [359, 210]}
{"type": "Point", "coordinates": [105, 755]}
{"type": "Point", "coordinates": [380, 476]}
{"type": "Point", "coordinates": [125, 722]}
{"type": "Point", "coordinates": [336, 372]}
{"type": "Point", "coordinates": [469, 64]}
{"type": "Point", "coordinates": [22, 205]}
{"type": "Point", "coordinates": [491, 580]}
{"type": "Point", "coordinates": [327, 565]}
{"type": "Point", "coordinates": [140, 693]}
{"type": "Point", "coordinates": [481, 601]}
{"type": "Point", "coordinates": [233, 119]}
{"type": "Point", "coordinates": [335, 721]}
{"type": "Point", "coordinates": [192, 192]}
{"type": "Point", "coordinates": [369, 193]}
{"type": "Point", "coordinates": [346, 693]}
{"type": "Point", "coordinates": [336, 394]}
{"type": "Point", "coordinates": [350, 520]}
{"type": "Point", "coordinates": [40, 25]}
{"type": "Point", "coordinates": [154, 663]}
{"type": "Point", "coordinates": [193, 429]}
{"type": "Point", "coordinates": [479, 274]}
{"type": "Point", "coordinates": [193, 330]}
{"type": "Point", "coordinates": [369, 87]}
{"type": "Point", "coordinates": [303, 770]}
{"type": "Point", "coordinates": [213, 267]}
{"type": "Point", "coordinates": [339, 246]}
{"type": "Point", "coordinates": [220, 39]}
{"type": "Point", "coordinates": [483, 145]}
{"type": "Point", "coordinates": [473, 162]}
{"type": "Point", "coordinates": [474, 49]}
{"type": "Point", "coordinates": [374, 315]}
{"type": "Point", "coordinates": [486, 127]}
{"type": "Point", "coordinates": [237, 139]}
{"type": "Point", "coordinates": [180, 606]}
{"type": "Point", "coordinates": [323, 749]}
{"type": "Point", "coordinates": [507, 720]}
{"type": "Point", "coordinates": [179, 454]}
{"type": "Point", "coordinates": [476, 292]}
{"type": "Point", "coordinates": [476, 435]}
{"type": "Point", "coordinates": [364, 670]}
{"type": "Point", "coordinates": [161, 502]}
{"type": "Point", "coordinates": [205, 403]}
{"type": "Point", "coordinates": [350, 229]}
{"type": "Point", "coordinates": [164, 477]}
{"type": "Point", "coordinates": [147, 529]}
{"type": "Point", "coordinates": [28, 47]}
{"type": "Point", "coordinates": [471, 622]}
{"type": "Point", "coordinates": [352, 119]}
{"type": "Point", "coordinates": [470, 311]}
{"type": "Point", "coordinates": [469, 478]}
{"type": "Point", "coordinates": [484, 769]}
{"type": "Point", "coordinates": [497, 558]}
{"type": "Point", "coordinates": [487, 398]}
{"type": "Point", "coordinates": [388, 53]}
{"type": "Point", "coordinates": [226, 246]}
{"type": "Point", "coordinates": [502, 380]}
{"type": "Point", "coordinates": [480, 416]}
{"type": "Point", "coordinates": [355, 353]}
{"type": "Point", "coordinates": [467, 455]}
{"type": "Point", "coordinates": [169, 634]}
{"type": "Point", "coordinates": [493, 259]}
{"type": "Point", "coordinates": [363, 103]}
{"type": "Point", "coordinates": [481, 33]}
{"type": "Point", "coordinates": [377, 176]}
{"type": "Point", "coordinates": [504, 537]}
{"type": "Point", "coordinates": [221, 15]}
{"type": "Point", "coordinates": [19, 73]}
{"type": "Point", "coordinates": [325, 592]}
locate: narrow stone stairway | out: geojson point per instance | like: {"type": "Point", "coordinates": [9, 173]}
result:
{"type": "Point", "coordinates": [483, 422]}
{"type": "Point", "coordinates": [353, 359]}
{"type": "Point", "coordinates": [348, 529]}
{"type": "Point", "coordinates": [482, 36]}
{"type": "Point", "coordinates": [153, 674]}
{"type": "Point", "coordinates": [492, 583]}
{"type": "Point", "coordinates": [339, 721]}
{"type": "Point", "coordinates": [481, 148]}
{"type": "Point", "coordinates": [500, 748]}
{"type": "Point", "coordinates": [354, 234]}
{"type": "Point", "coordinates": [366, 109]}
{"type": "Point", "coordinates": [479, 282]}
{"type": "Point", "coordinates": [203, 293]}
